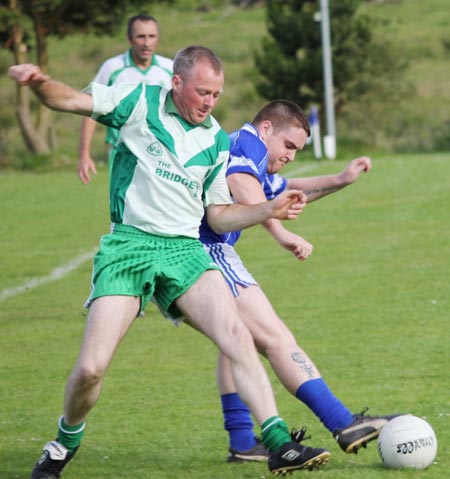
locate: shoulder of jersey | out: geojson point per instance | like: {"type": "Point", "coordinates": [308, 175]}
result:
{"type": "Point", "coordinates": [165, 62]}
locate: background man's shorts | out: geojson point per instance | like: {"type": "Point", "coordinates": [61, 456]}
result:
{"type": "Point", "coordinates": [231, 265]}
{"type": "Point", "coordinates": [131, 262]}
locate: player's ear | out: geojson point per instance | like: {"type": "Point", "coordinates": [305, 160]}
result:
{"type": "Point", "coordinates": [177, 82]}
{"type": "Point", "coordinates": [265, 128]}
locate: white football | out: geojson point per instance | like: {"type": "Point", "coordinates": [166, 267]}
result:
{"type": "Point", "coordinates": [407, 441]}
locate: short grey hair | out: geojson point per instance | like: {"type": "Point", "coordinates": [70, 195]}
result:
{"type": "Point", "coordinates": [188, 57]}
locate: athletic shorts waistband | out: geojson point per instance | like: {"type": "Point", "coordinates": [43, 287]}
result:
{"type": "Point", "coordinates": [129, 230]}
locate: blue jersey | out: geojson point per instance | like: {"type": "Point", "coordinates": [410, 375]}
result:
{"type": "Point", "coordinates": [248, 154]}
{"type": "Point", "coordinates": [274, 185]}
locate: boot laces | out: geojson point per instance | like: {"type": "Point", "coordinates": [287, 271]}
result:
{"type": "Point", "coordinates": [361, 414]}
{"type": "Point", "coordinates": [299, 435]}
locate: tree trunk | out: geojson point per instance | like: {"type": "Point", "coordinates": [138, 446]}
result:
{"type": "Point", "coordinates": [34, 140]}
{"type": "Point", "coordinates": [44, 114]}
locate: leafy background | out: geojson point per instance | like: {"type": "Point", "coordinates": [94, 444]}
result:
{"type": "Point", "coordinates": [418, 29]}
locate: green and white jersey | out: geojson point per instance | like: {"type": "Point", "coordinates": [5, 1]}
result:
{"type": "Point", "coordinates": [166, 170]}
{"type": "Point", "coordinates": [122, 69]}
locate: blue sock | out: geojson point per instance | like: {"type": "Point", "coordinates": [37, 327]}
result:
{"type": "Point", "coordinates": [325, 405]}
{"type": "Point", "coordinates": [238, 422]}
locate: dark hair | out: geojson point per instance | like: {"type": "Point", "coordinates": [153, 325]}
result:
{"type": "Point", "coordinates": [282, 113]}
{"type": "Point", "coordinates": [141, 17]}
{"type": "Point", "coordinates": [188, 57]}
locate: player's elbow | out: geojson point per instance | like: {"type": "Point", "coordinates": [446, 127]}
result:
{"type": "Point", "coordinates": [215, 216]}
{"type": "Point", "coordinates": [217, 227]}
{"type": "Point", "coordinates": [220, 230]}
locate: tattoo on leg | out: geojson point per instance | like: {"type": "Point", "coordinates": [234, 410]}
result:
{"type": "Point", "coordinates": [305, 367]}
{"type": "Point", "coordinates": [298, 358]}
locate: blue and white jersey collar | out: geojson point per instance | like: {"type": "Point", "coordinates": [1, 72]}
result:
{"type": "Point", "coordinates": [251, 129]}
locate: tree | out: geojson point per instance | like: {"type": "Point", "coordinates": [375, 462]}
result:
{"type": "Point", "coordinates": [25, 25]}
{"type": "Point", "coordinates": [290, 61]}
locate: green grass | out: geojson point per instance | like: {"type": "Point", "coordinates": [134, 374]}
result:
{"type": "Point", "coordinates": [370, 306]}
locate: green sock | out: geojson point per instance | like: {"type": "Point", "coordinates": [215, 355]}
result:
{"type": "Point", "coordinates": [70, 436]}
{"type": "Point", "coordinates": [275, 433]}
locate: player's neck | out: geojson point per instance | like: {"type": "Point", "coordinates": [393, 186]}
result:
{"type": "Point", "coordinates": [143, 65]}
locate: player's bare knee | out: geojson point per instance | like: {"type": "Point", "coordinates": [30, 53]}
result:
{"type": "Point", "coordinates": [240, 337]}
{"type": "Point", "coordinates": [86, 375]}
{"type": "Point", "coordinates": [274, 340]}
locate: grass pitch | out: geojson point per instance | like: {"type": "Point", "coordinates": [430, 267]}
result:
{"type": "Point", "coordinates": [370, 306]}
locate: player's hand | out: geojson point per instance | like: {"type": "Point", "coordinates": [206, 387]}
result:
{"type": "Point", "coordinates": [288, 205]}
{"type": "Point", "coordinates": [355, 168]}
{"type": "Point", "coordinates": [86, 165]}
{"type": "Point", "coordinates": [302, 249]}
{"type": "Point", "coordinates": [297, 245]}
{"type": "Point", "coordinates": [27, 74]}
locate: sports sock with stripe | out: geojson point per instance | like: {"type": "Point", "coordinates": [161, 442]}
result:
{"type": "Point", "coordinates": [275, 433]}
{"type": "Point", "coordinates": [70, 436]}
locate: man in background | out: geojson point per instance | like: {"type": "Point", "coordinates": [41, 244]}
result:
{"type": "Point", "coordinates": [138, 64]}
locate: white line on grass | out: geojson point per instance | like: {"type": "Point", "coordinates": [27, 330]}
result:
{"type": "Point", "coordinates": [303, 169]}
{"type": "Point", "coordinates": [56, 274]}
{"type": "Point", "coordinates": [67, 268]}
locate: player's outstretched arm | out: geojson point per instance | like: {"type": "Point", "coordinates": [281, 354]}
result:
{"type": "Point", "coordinates": [317, 187]}
{"type": "Point", "coordinates": [225, 218]}
{"type": "Point", "coordinates": [53, 94]}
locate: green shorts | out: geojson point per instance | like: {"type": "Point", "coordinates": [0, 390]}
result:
{"type": "Point", "coordinates": [131, 262]}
